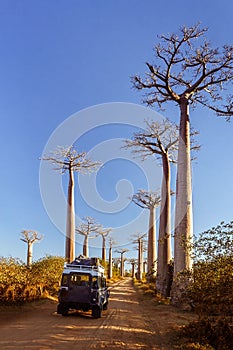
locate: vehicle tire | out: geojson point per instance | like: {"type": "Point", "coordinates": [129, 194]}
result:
{"type": "Point", "coordinates": [105, 306]}
{"type": "Point", "coordinates": [62, 309]}
{"type": "Point", "coordinates": [65, 312]}
{"type": "Point", "coordinates": [97, 312]}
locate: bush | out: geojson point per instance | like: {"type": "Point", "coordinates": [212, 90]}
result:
{"type": "Point", "coordinates": [19, 283]}
{"type": "Point", "coordinates": [210, 289]}
{"type": "Point", "coordinates": [217, 334]}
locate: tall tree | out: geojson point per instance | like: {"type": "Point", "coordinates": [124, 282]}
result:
{"type": "Point", "coordinates": [160, 139]}
{"type": "Point", "coordinates": [187, 71]}
{"type": "Point", "coordinates": [68, 159]}
{"type": "Point", "coordinates": [87, 228]}
{"type": "Point", "coordinates": [139, 240]}
{"type": "Point", "coordinates": [133, 262]}
{"type": "Point", "coordinates": [110, 261]}
{"type": "Point", "coordinates": [149, 200]}
{"type": "Point", "coordinates": [122, 252]}
{"type": "Point", "coordinates": [30, 237]}
{"type": "Point", "coordinates": [104, 232]}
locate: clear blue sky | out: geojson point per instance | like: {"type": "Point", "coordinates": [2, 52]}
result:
{"type": "Point", "coordinates": [59, 57]}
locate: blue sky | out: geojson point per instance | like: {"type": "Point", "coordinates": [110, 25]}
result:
{"type": "Point", "coordinates": [60, 57]}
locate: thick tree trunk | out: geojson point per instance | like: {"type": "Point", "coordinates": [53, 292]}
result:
{"type": "Point", "coordinates": [183, 216]}
{"type": "Point", "coordinates": [163, 282]}
{"type": "Point", "coordinates": [110, 263]}
{"type": "Point", "coordinates": [122, 266]}
{"type": "Point", "coordinates": [70, 221]}
{"type": "Point", "coordinates": [86, 246]}
{"type": "Point", "coordinates": [151, 254]}
{"type": "Point", "coordinates": [133, 270]}
{"type": "Point", "coordinates": [104, 249]}
{"type": "Point", "coordinates": [140, 259]}
{"type": "Point", "coordinates": [29, 254]}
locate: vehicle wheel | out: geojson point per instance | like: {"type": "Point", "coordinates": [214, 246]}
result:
{"type": "Point", "coordinates": [97, 312]}
{"type": "Point", "coordinates": [105, 306]}
{"type": "Point", "coordinates": [62, 309]}
{"type": "Point", "coordinates": [65, 312]}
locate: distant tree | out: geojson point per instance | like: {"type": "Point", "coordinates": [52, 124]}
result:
{"type": "Point", "coordinates": [149, 200]}
{"type": "Point", "coordinates": [30, 237]}
{"type": "Point", "coordinates": [122, 252]}
{"type": "Point", "coordinates": [187, 74]}
{"type": "Point", "coordinates": [160, 139]}
{"type": "Point", "coordinates": [139, 240]}
{"type": "Point", "coordinates": [87, 228]}
{"type": "Point", "coordinates": [133, 262]}
{"type": "Point", "coordinates": [104, 232]}
{"type": "Point", "coordinates": [68, 159]}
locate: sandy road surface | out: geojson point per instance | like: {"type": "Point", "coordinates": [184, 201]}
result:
{"type": "Point", "coordinates": [129, 323]}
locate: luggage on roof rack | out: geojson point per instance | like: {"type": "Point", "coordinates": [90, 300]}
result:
{"type": "Point", "coordinates": [82, 260]}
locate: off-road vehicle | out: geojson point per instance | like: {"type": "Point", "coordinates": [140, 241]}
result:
{"type": "Point", "coordinates": [83, 287]}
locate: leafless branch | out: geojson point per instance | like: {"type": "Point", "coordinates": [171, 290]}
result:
{"type": "Point", "coordinates": [146, 199]}
{"type": "Point", "coordinates": [30, 236]}
{"type": "Point", "coordinates": [187, 65]}
{"type": "Point", "coordinates": [65, 158]}
{"type": "Point", "coordinates": [88, 226]}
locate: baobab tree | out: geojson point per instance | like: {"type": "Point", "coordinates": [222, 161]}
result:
{"type": "Point", "coordinates": [133, 262]}
{"type": "Point", "coordinates": [104, 232]}
{"type": "Point", "coordinates": [110, 259]}
{"type": "Point", "coordinates": [30, 237]}
{"type": "Point", "coordinates": [87, 228]}
{"type": "Point", "coordinates": [187, 71]}
{"type": "Point", "coordinates": [122, 252]}
{"type": "Point", "coordinates": [149, 200]}
{"type": "Point", "coordinates": [139, 240]}
{"type": "Point", "coordinates": [160, 139]}
{"type": "Point", "coordinates": [68, 159]}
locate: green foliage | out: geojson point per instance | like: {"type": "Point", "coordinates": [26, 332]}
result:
{"type": "Point", "coordinates": [46, 273]}
{"type": "Point", "coordinates": [214, 243]}
{"type": "Point", "coordinates": [19, 283]}
{"type": "Point", "coordinates": [210, 289]}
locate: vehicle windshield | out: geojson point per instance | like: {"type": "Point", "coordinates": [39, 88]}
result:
{"type": "Point", "coordinates": [80, 280]}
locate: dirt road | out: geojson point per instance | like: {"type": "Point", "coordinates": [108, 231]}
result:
{"type": "Point", "coordinates": [129, 323]}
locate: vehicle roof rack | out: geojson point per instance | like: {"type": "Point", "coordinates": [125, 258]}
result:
{"type": "Point", "coordinates": [84, 263]}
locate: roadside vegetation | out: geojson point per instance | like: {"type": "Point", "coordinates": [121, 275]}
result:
{"type": "Point", "coordinates": [209, 293]}
{"type": "Point", "coordinates": [18, 283]}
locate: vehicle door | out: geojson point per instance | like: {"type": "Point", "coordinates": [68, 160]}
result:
{"type": "Point", "coordinates": [79, 287]}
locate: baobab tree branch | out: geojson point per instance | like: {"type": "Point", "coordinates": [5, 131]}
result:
{"type": "Point", "coordinates": [146, 199]}
{"type": "Point", "coordinates": [65, 158]}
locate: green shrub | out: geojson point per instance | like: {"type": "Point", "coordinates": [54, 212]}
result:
{"type": "Point", "coordinates": [19, 283]}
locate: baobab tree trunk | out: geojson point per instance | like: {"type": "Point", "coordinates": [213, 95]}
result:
{"type": "Point", "coordinates": [133, 269]}
{"type": "Point", "coordinates": [140, 259]}
{"type": "Point", "coordinates": [104, 249]}
{"type": "Point", "coordinates": [110, 263]}
{"type": "Point", "coordinates": [86, 246]}
{"type": "Point", "coordinates": [163, 282]}
{"type": "Point", "coordinates": [29, 254]}
{"type": "Point", "coordinates": [151, 254]}
{"type": "Point", "coordinates": [70, 221]}
{"type": "Point", "coordinates": [183, 216]}
{"type": "Point", "coordinates": [122, 265]}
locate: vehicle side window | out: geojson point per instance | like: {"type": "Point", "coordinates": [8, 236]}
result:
{"type": "Point", "coordinates": [95, 282]}
{"type": "Point", "coordinates": [103, 282]}
{"type": "Point", "coordinates": [64, 280]}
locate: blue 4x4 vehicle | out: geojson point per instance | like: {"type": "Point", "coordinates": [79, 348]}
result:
{"type": "Point", "coordinates": [83, 287]}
